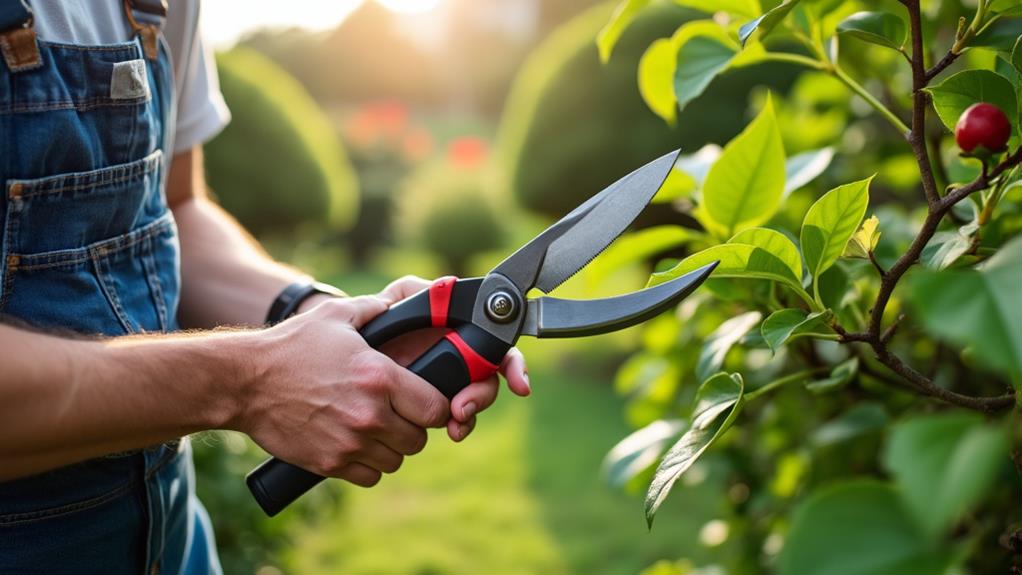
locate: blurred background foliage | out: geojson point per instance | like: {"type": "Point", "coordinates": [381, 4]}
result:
{"type": "Point", "coordinates": [436, 143]}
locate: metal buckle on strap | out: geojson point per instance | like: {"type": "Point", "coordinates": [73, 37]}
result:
{"type": "Point", "coordinates": [149, 32]}
{"type": "Point", "coordinates": [17, 37]}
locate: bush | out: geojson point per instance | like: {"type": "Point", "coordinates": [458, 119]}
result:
{"type": "Point", "coordinates": [278, 163]}
{"type": "Point", "coordinates": [447, 210]}
{"type": "Point", "coordinates": [572, 126]}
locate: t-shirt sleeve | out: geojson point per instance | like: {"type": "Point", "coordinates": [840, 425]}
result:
{"type": "Point", "coordinates": [201, 110]}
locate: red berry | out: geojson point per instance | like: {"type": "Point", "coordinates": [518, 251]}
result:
{"type": "Point", "coordinates": [982, 125]}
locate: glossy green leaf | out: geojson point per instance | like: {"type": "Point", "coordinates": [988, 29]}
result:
{"type": "Point", "coordinates": [839, 377]}
{"type": "Point", "coordinates": [803, 168]}
{"type": "Point", "coordinates": [946, 247]}
{"type": "Point", "coordinates": [775, 243]}
{"type": "Point", "coordinates": [779, 326]}
{"type": "Point", "coordinates": [945, 464]}
{"type": "Point", "coordinates": [718, 343]}
{"type": "Point", "coordinates": [831, 222]}
{"type": "Point", "coordinates": [703, 51]}
{"type": "Point", "coordinates": [858, 527]}
{"type": "Point", "coordinates": [656, 79]}
{"type": "Point", "coordinates": [767, 22]}
{"type": "Point", "coordinates": [736, 261]}
{"type": "Point", "coordinates": [882, 28]}
{"type": "Point", "coordinates": [1006, 7]}
{"type": "Point", "coordinates": [747, 8]}
{"type": "Point", "coordinates": [718, 402]}
{"type": "Point", "coordinates": [636, 247]}
{"type": "Point", "coordinates": [619, 20]}
{"type": "Point", "coordinates": [641, 449]}
{"type": "Point", "coordinates": [1000, 36]}
{"type": "Point", "coordinates": [976, 308]}
{"type": "Point", "coordinates": [744, 187]}
{"type": "Point", "coordinates": [952, 96]}
{"type": "Point", "coordinates": [861, 419]}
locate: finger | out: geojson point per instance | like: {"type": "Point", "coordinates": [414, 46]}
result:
{"type": "Point", "coordinates": [378, 456]}
{"type": "Point", "coordinates": [516, 372]}
{"type": "Point", "coordinates": [414, 399]}
{"type": "Point", "coordinates": [356, 311]}
{"type": "Point", "coordinates": [458, 431]}
{"type": "Point", "coordinates": [403, 288]}
{"type": "Point", "coordinates": [360, 474]}
{"type": "Point", "coordinates": [403, 436]}
{"type": "Point", "coordinates": [474, 398]}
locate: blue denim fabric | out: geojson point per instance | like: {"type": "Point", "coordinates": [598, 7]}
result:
{"type": "Point", "coordinates": [89, 246]}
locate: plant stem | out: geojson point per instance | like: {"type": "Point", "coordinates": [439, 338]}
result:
{"type": "Point", "coordinates": [869, 98]}
{"type": "Point", "coordinates": [795, 59]}
{"type": "Point", "coordinates": [793, 378]}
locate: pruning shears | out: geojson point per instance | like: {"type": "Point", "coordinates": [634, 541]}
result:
{"type": "Point", "coordinates": [485, 316]}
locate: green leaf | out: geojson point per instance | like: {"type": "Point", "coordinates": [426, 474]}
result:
{"type": "Point", "coordinates": [1006, 7]}
{"type": "Point", "coordinates": [882, 28]}
{"type": "Point", "coordinates": [718, 402]}
{"type": "Point", "coordinates": [782, 324]}
{"type": "Point", "coordinates": [944, 465]}
{"type": "Point", "coordinates": [703, 51]}
{"type": "Point", "coordinates": [736, 261]}
{"type": "Point", "coordinates": [803, 168]}
{"type": "Point", "coordinates": [744, 187]}
{"type": "Point", "coordinates": [767, 22]}
{"type": "Point", "coordinates": [1016, 55]}
{"type": "Point", "coordinates": [830, 223]}
{"type": "Point", "coordinates": [641, 449]}
{"type": "Point", "coordinates": [774, 242]}
{"type": "Point", "coordinates": [865, 240]}
{"type": "Point", "coordinates": [859, 527]}
{"type": "Point", "coordinates": [656, 79]}
{"type": "Point", "coordinates": [861, 419]}
{"type": "Point", "coordinates": [619, 20]}
{"type": "Point", "coordinates": [718, 343]}
{"type": "Point", "coordinates": [952, 96]}
{"type": "Point", "coordinates": [839, 377]}
{"type": "Point", "coordinates": [748, 8]}
{"type": "Point", "coordinates": [635, 247]}
{"type": "Point", "coordinates": [1000, 36]}
{"type": "Point", "coordinates": [976, 308]}
{"type": "Point", "coordinates": [946, 247]}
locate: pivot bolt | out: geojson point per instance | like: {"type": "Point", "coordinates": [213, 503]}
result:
{"type": "Point", "coordinates": [500, 307]}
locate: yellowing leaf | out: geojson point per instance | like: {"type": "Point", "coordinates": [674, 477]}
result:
{"type": "Point", "coordinates": [611, 32]}
{"type": "Point", "coordinates": [864, 241]}
{"type": "Point", "coordinates": [656, 79]}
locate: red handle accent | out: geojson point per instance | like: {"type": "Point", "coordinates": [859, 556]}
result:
{"type": "Point", "coordinates": [440, 299]}
{"type": "Point", "coordinates": [479, 368]}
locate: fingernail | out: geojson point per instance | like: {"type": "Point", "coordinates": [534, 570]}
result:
{"type": "Point", "coordinates": [528, 384]}
{"type": "Point", "coordinates": [468, 411]}
{"type": "Point", "coordinates": [463, 431]}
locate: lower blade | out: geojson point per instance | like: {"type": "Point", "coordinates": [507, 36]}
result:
{"type": "Point", "coordinates": [548, 317]}
{"type": "Point", "coordinates": [609, 214]}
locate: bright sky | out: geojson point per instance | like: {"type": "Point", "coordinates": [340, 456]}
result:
{"type": "Point", "coordinates": [224, 21]}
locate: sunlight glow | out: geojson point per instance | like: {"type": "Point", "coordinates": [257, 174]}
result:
{"type": "Point", "coordinates": [410, 6]}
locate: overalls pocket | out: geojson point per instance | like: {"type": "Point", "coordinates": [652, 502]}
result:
{"type": "Point", "coordinates": [115, 265]}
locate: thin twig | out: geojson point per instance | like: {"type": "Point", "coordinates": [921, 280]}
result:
{"type": "Point", "coordinates": [880, 269]}
{"type": "Point", "coordinates": [940, 66]}
{"type": "Point", "coordinates": [885, 337]}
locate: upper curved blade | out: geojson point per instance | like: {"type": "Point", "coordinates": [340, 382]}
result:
{"type": "Point", "coordinates": [571, 243]}
{"type": "Point", "coordinates": [552, 317]}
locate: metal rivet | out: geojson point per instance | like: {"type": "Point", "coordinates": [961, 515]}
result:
{"type": "Point", "coordinates": [16, 190]}
{"type": "Point", "coordinates": [500, 307]}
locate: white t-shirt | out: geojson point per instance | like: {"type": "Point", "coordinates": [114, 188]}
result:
{"type": "Point", "coordinates": [201, 112]}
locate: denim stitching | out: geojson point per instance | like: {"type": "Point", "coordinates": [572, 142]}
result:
{"type": "Point", "coordinates": [81, 106]}
{"type": "Point", "coordinates": [29, 516]}
{"type": "Point", "coordinates": [111, 295]}
{"type": "Point", "coordinates": [91, 179]}
{"type": "Point", "coordinates": [153, 282]}
{"type": "Point", "coordinates": [10, 234]}
{"type": "Point", "coordinates": [99, 249]}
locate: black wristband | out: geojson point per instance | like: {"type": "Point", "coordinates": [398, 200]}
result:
{"type": "Point", "coordinates": [293, 295]}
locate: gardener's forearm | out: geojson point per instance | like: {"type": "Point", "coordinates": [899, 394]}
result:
{"type": "Point", "coordinates": [63, 401]}
{"type": "Point", "coordinates": [227, 278]}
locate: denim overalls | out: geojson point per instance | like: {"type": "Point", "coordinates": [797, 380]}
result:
{"type": "Point", "coordinates": [89, 246]}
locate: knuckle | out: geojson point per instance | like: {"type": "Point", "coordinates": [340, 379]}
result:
{"type": "Point", "coordinates": [437, 412]}
{"type": "Point", "coordinates": [418, 442]}
{"type": "Point", "coordinates": [373, 372]}
{"type": "Point", "coordinates": [370, 422]}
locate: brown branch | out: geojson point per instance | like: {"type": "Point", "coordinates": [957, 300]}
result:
{"type": "Point", "coordinates": [917, 137]}
{"type": "Point", "coordinates": [940, 66]}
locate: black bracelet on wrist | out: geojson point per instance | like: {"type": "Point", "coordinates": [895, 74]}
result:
{"type": "Point", "coordinates": [293, 295]}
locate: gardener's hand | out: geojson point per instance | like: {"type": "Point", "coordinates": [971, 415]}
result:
{"type": "Point", "coordinates": [475, 397]}
{"type": "Point", "coordinates": [319, 397]}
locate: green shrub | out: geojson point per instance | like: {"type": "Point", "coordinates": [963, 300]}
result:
{"type": "Point", "coordinates": [279, 162]}
{"type": "Point", "coordinates": [572, 126]}
{"type": "Point", "coordinates": [448, 211]}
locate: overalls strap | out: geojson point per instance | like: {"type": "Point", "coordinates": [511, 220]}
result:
{"type": "Point", "coordinates": [17, 37]}
{"type": "Point", "coordinates": [146, 18]}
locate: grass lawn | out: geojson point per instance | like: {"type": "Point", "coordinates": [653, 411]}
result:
{"type": "Point", "coordinates": [521, 495]}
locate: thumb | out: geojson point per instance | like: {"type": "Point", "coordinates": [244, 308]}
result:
{"type": "Point", "coordinates": [416, 400]}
